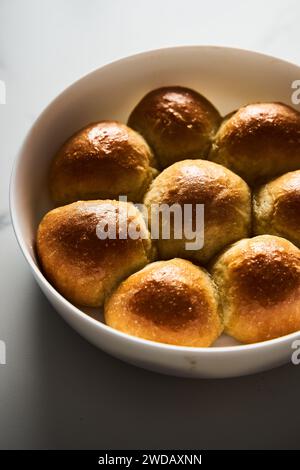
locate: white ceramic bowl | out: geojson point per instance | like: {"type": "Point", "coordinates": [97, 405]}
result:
{"type": "Point", "coordinates": [227, 77]}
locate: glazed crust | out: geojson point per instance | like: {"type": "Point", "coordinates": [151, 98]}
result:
{"type": "Point", "coordinates": [171, 302]}
{"type": "Point", "coordinates": [103, 160]}
{"type": "Point", "coordinates": [227, 206]}
{"type": "Point", "coordinates": [177, 122]}
{"type": "Point", "coordinates": [276, 207]}
{"type": "Point", "coordinates": [259, 285]}
{"type": "Point", "coordinates": [81, 266]}
{"type": "Point", "coordinates": [259, 141]}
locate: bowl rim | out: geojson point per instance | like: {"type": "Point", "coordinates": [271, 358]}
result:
{"type": "Point", "coordinates": [212, 350]}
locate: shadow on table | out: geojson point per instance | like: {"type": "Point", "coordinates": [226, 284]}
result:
{"type": "Point", "coordinates": [91, 400]}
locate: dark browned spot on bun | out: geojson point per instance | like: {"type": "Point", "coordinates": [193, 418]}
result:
{"type": "Point", "coordinates": [178, 109]}
{"type": "Point", "coordinates": [168, 303]}
{"type": "Point", "coordinates": [75, 232]}
{"type": "Point", "coordinates": [176, 121]}
{"type": "Point", "coordinates": [267, 278]}
{"type": "Point", "coordinates": [267, 124]}
{"type": "Point", "coordinates": [101, 161]}
{"type": "Point", "coordinates": [175, 109]}
{"type": "Point", "coordinates": [107, 140]}
{"type": "Point", "coordinates": [259, 141]}
{"type": "Point", "coordinates": [287, 208]}
{"type": "Point", "coordinates": [216, 192]}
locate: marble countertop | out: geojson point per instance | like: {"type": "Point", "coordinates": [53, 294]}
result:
{"type": "Point", "coordinates": [56, 390]}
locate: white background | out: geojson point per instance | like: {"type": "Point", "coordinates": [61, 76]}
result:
{"type": "Point", "coordinates": [57, 391]}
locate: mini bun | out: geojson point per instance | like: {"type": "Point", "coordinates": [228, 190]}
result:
{"type": "Point", "coordinates": [171, 302]}
{"type": "Point", "coordinates": [259, 141]}
{"type": "Point", "coordinates": [102, 161]}
{"type": "Point", "coordinates": [80, 265]}
{"type": "Point", "coordinates": [259, 285]}
{"type": "Point", "coordinates": [227, 206]}
{"type": "Point", "coordinates": [276, 207]}
{"type": "Point", "coordinates": [177, 123]}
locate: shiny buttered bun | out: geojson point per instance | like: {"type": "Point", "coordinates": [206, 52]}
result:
{"type": "Point", "coordinates": [177, 123]}
{"type": "Point", "coordinates": [227, 209]}
{"type": "Point", "coordinates": [171, 302]}
{"type": "Point", "coordinates": [259, 285]}
{"type": "Point", "coordinates": [102, 161]}
{"type": "Point", "coordinates": [83, 263]}
{"type": "Point", "coordinates": [276, 207]}
{"type": "Point", "coordinates": [259, 141]}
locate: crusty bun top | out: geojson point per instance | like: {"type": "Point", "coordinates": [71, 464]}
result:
{"type": "Point", "coordinates": [288, 201]}
{"type": "Point", "coordinates": [259, 141]}
{"type": "Point", "coordinates": [83, 266]}
{"type": "Point", "coordinates": [165, 297]}
{"type": "Point", "coordinates": [262, 270]}
{"type": "Point", "coordinates": [177, 122]}
{"type": "Point", "coordinates": [103, 160]}
{"type": "Point", "coordinates": [259, 284]}
{"type": "Point", "coordinates": [169, 301]}
{"type": "Point", "coordinates": [277, 207]}
{"type": "Point", "coordinates": [200, 181]}
{"type": "Point", "coordinates": [74, 228]}
{"type": "Point", "coordinates": [267, 270]}
{"type": "Point", "coordinates": [225, 196]}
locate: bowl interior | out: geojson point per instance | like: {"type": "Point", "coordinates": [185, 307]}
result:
{"type": "Point", "coordinates": [228, 77]}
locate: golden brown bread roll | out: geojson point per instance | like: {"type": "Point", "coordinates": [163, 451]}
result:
{"type": "Point", "coordinates": [171, 302]}
{"type": "Point", "coordinates": [80, 265]}
{"type": "Point", "coordinates": [259, 285]}
{"type": "Point", "coordinates": [276, 207]}
{"type": "Point", "coordinates": [177, 123]}
{"type": "Point", "coordinates": [227, 206]}
{"type": "Point", "coordinates": [102, 161]}
{"type": "Point", "coordinates": [259, 141]}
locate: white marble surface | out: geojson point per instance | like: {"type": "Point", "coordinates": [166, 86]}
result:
{"type": "Point", "coordinates": [57, 391]}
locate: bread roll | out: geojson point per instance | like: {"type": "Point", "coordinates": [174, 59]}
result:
{"type": "Point", "coordinates": [259, 285]}
{"type": "Point", "coordinates": [80, 265]}
{"type": "Point", "coordinates": [259, 141]}
{"type": "Point", "coordinates": [276, 207]}
{"type": "Point", "coordinates": [227, 207]}
{"type": "Point", "coordinates": [171, 302]}
{"type": "Point", "coordinates": [102, 161]}
{"type": "Point", "coordinates": [177, 123]}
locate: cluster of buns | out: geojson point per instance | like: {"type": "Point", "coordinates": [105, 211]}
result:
{"type": "Point", "coordinates": [177, 150]}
